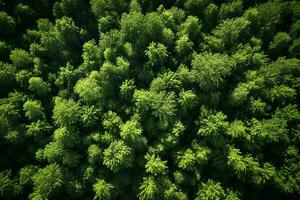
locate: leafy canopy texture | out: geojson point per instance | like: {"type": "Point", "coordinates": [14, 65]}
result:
{"type": "Point", "coordinates": [149, 100]}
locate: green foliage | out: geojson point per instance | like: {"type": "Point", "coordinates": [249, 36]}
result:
{"type": "Point", "coordinates": [4, 50]}
{"type": "Point", "coordinates": [127, 89]}
{"type": "Point", "coordinates": [64, 137]}
{"type": "Point", "coordinates": [183, 46]}
{"type": "Point", "coordinates": [9, 187]}
{"type": "Point", "coordinates": [131, 132]}
{"type": "Point", "coordinates": [187, 100]}
{"type": "Point", "coordinates": [283, 93]}
{"type": "Point", "coordinates": [140, 30]}
{"type": "Point", "coordinates": [20, 58]}
{"type": "Point", "coordinates": [90, 116]}
{"type": "Point", "coordinates": [91, 56]}
{"type": "Point", "coordinates": [210, 190]}
{"type": "Point", "coordinates": [117, 156]}
{"type": "Point", "coordinates": [187, 160]}
{"type": "Point", "coordinates": [37, 85]}
{"type": "Point", "coordinates": [111, 122]}
{"type": "Point", "coordinates": [294, 48]}
{"type": "Point", "coordinates": [280, 44]}
{"type": "Point", "coordinates": [161, 104]}
{"type": "Point", "coordinates": [135, 6]}
{"type": "Point", "coordinates": [26, 174]}
{"type": "Point", "coordinates": [7, 78]}
{"type": "Point", "coordinates": [213, 125]}
{"type": "Point", "coordinates": [172, 138]}
{"type": "Point", "coordinates": [191, 158]}
{"type": "Point", "coordinates": [213, 190]}
{"type": "Point", "coordinates": [88, 88]}
{"type": "Point", "coordinates": [33, 110]}
{"type": "Point", "coordinates": [144, 99]}
{"type": "Point", "coordinates": [7, 25]}
{"type": "Point", "coordinates": [65, 112]}
{"type": "Point", "coordinates": [271, 130]}
{"type": "Point", "coordinates": [148, 189]}
{"type": "Point", "coordinates": [238, 130]}
{"type": "Point", "coordinates": [111, 7]}
{"type": "Point", "coordinates": [47, 181]}
{"type": "Point", "coordinates": [195, 7]}
{"type": "Point", "coordinates": [227, 34]}
{"type": "Point", "coordinates": [209, 69]}
{"type": "Point", "coordinates": [168, 81]}
{"type": "Point", "coordinates": [231, 10]}
{"type": "Point", "coordinates": [248, 165]}
{"type": "Point", "coordinates": [191, 28]}
{"type": "Point", "coordinates": [94, 153]}
{"type": "Point", "coordinates": [60, 149]}
{"type": "Point", "coordinates": [66, 77]}
{"type": "Point", "coordinates": [103, 190]}
{"type": "Point", "coordinates": [38, 128]}
{"type": "Point", "coordinates": [157, 54]}
{"type": "Point", "coordinates": [155, 166]}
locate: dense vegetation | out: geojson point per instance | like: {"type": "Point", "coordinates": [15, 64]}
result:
{"type": "Point", "coordinates": [149, 100]}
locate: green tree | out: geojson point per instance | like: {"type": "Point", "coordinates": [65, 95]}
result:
{"type": "Point", "coordinates": [168, 81]}
{"type": "Point", "coordinates": [243, 165]}
{"type": "Point", "coordinates": [213, 190]}
{"type": "Point", "coordinates": [157, 54]}
{"type": "Point", "coordinates": [33, 110]}
{"type": "Point", "coordinates": [127, 89]}
{"type": "Point", "coordinates": [65, 112]}
{"type": "Point", "coordinates": [103, 190]}
{"type": "Point", "coordinates": [131, 132]}
{"type": "Point", "coordinates": [94, 154]}
{"type": "Point", "coordinates": [155, 166]}
{"type": "Point", "coordinates": [26, 174]}
{"type": "Point", "coordinates": [111, 122]}
{"type": "Point", "coordinates": [161, 104]}
{"type": "Point", "coordinates": [60, 150]}
{"type": "Point", "coordinates": [135, 6]}
{"type": "Point", "coordinates": [184, 46]}
{"type": "Point", "coordinates": [7, 78]}
{"type": "Point", "coordinates": [210, 17]}
{"type": "Point", "coordinates": [191, 27]}
{"type": "Point", "coordinates": [112, 7]}
{"type": "Point", "coordinates": [209, 70]}
{"type": "Point", "coordinates": [172, 138]}
{"type": "Point", "coordinates": [20, 58]}
{"type": "Point", "coordinates": [7, 25]}
{"type": "Point", "coordinates": [4, 50]}
{"type": "Point", "coordinates": [280, 44]}
{"type": "Point", "coordinates": [38, 129]}
{"type": "Point", "coordinates": [47, 181]}
{"type": "Point", "coordinates": [195, 7]}
{"type": "Point", "coordinates": [37, 85]}
{"type": "Point", "coordinates": [294, 48]}
{"type": "Point", "coordinates": [187, 100]}
{"type": "Point", "coordinates": [227, 35]}
{"type": "Point", "coordinates": [90, 116]}
{"type": "Point", "coordinates": [66, 77]}
{"type": "Point", "coordinates": [91, 56]}
{"type": "Point", "coordinates": [117, 156]}
{"type": "Point", "coordinates": [231, 9]}
{"type": "Point", "coordinates": [9, 187]}
{"type": "Point", "coordinates": [148, 189]}
{"type": "Point", "coordinates": [88, 88]}
{"type": "Point", "coordinates": [283, 94]}
{"type": "Point", "coordinates": [210, 190]}
{"type": "Point", "coordinates": [187, 160]}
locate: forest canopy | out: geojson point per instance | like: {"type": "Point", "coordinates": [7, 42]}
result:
{"type": "Point", "coordinates": [149, 100]}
